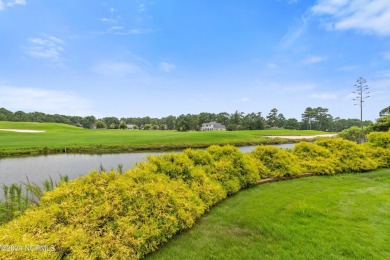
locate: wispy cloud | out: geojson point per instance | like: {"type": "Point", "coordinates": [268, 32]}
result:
{"type": "Point", "coordinates": [43, 100]}
{"type": "Point", "coordinates": [368, 16]}
{"type": "Point", "coordinates": [108, 20]}
{"type": "Point", "coordinates": [166, 67]}
{"type": "Point", "coordinates": [242, 100]}
{"type": "Point", "coordinates": [314, 59]}
{"type": "Point", "coordinates": [47, 47]}
{"type": "Point", "coordinates": [11, 3]}
{"type": "Point", "coordinates": [294, 32]}
{"type": "Point", "coordinates": [323, 96]}
{"type": "Point", "coordinates": [117, 69]}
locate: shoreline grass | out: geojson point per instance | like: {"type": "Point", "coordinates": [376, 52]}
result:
{"type": "Point", "coordinates": [321, 217]}
{"type": "Point", "coordinates": [60, 138]}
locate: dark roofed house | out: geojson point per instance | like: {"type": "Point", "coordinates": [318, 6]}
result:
{"type": "Point", "coordinates": [212, 126]}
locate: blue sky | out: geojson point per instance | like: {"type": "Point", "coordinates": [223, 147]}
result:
{"type": "Point", "coordinates": [159, 58]}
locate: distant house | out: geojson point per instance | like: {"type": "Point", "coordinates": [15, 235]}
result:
{"type": "Point", "coordinates": [213, 126]}
{"type": "Point", "coordinates": [131, 127]}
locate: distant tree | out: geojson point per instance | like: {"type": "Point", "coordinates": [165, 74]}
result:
{"type": "Point", "coordinates": [307, 117]}
{"type": "Point", "coordinates": [122, 125]}
{"type": "Point", "coordinates": [382, 124]}
{"type": "Point", "coordinates": [169, 121]}
{"type": "Point", "coordinates": [100, 124]}
{"type": "Point", "coordinates": [385, 112]}
{"type": "Point", "coordinates": [163, 127]}
{"type": "Point", "coordinates": [154, 127]}
{"type": "Point", "coordinates": [88, 121]}
{"type": "Point", "coordinates": [292, 123]}
{"type": "Point", "coordinates": [361, 94]}
{"type": "Point", "coordinates": [147, 126]}
{"type": "Point", "coordinates": [280, 120]}
{"type": "Point", "coordinates": [112, 121]}
{"type": "Point", "coordinates": [272, 118]}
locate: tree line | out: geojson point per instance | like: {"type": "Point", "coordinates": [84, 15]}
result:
{"type": "Point", "coordinates": [312, 119]}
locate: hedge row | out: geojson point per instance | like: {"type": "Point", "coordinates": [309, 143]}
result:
{"type": "Point", "coordinates": [126, 216]}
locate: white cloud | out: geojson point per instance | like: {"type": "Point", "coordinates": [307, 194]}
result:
{"type": "Point", "coordinates": [117, 69]}
{"type": "Point", "coordinates": [107, 20]}
{"type": "Point", "coordinates": [368, 16]}
{"type": "Point", "coordinates": [314, 59]}
{"type": "Point", "coordinates": [16, 2]}
{"type": "Point", "coordinates": [241, 100]}
{"type": "Point", "coordinates": [294, 33]}
{"type": "Point", "coordinates": [47, 47]}
{"type": "Point", "coordinates": [323, 96]}
{"type": "Point", "coordinates": [11, 3]}
{"type": "Point", "coordinates": [166, 67]}
{"type": "Point", "coordinates": [43, 100]}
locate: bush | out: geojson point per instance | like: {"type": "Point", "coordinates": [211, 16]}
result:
{"type": "Point", "coordinates": [380, 139]}
{"type": "Point", "coordinates": [349, 156]}
{"type": "Point", "coordinates": [280, 162]}
{"type": "Point", "coordinates": [109, 215]}
{"type": "Point", "coordinates": [101, 216]}
{"type": "Point", "coordinates": [355, 134]}
{"type": "Point", "coordinates": [232, 168]}
{"type": "Point", "coordinates": [314, 158]}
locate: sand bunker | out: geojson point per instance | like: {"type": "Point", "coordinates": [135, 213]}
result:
{"type": "Point", "coordinates": [299, 137]}
{"type": "Point", "coordinates": [23, 130]}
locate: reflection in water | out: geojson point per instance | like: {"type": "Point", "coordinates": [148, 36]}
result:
{"type": "Point", "coordinates": [39, 168]}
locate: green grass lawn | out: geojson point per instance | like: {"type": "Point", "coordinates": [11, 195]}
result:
{"type": "Point", "coordinates": [327, 217]}
{"type": "Point", "coordinates": [60, 136]}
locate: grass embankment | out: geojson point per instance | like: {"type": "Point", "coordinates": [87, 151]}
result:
{"type": "Point", "coordinates": [337, 217]}
{"type": "Point", "coordinates": [59, 138]}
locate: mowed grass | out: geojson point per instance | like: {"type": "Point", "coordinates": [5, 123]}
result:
{"type": "Point", "coordinates": [327, 217]}
{"type": "Point", "coordinates": [65, 136]}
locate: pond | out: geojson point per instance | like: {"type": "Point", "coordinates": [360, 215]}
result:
{"type": "Point", "coordinates": [39, 168]}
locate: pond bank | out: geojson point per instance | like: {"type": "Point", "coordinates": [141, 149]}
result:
{"type": "Point", "coordinates": [105, 149]}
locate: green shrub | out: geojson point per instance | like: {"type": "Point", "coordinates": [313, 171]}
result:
{"type": "Point", "coordinates": [102, 216]}
{"type": "Point", "coordinates": [180, 166]}
{"type": "Point", "coordinates": [315, 159]}
{"type": "Point", "coordinates": [378, 154]}
{"type": "Point", "coordinates": [232, 168]}
{"type": "Point", "coordinates": [349, 156]}
{"type": "Point", "coordinates": [354, 133]}
{"type": "Point", "coordinates": [380, 139]}
{"type": "Point", "coordinates": [280, 162]}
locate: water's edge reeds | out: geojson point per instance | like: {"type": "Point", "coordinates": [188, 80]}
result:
{"type": "Point", "coordinates": [18, 197]}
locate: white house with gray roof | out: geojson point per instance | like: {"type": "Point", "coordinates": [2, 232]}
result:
{"type": "Point", "coordinates": [212, 126]}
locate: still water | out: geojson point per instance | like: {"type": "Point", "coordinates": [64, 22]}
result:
{"type": "Point", "coordinates": [39, 168]}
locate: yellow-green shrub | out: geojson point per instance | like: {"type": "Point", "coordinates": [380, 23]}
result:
{"type": "Point", "coordinates": [180, 166]}
{"type": "Point", "coordinates": [378, 154]}
{"type": "Point", "coordinates": [280, 162]}
{"type": "Point", "coordinates": [101, 216]}
{"type": "Point", "coordinates": [232, 168]}
{"type": "Point", "coordinates": [349, 156]}
{"type": "Point", "coordinates": [380, 139]}
{"type": "Point", "coordinates": [314, 158]}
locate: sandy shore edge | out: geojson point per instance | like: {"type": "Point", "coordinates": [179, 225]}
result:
{"type": "Point", "coordinates": [299, 137]}
{"type": "Point", "coordinates": [23, 130]}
